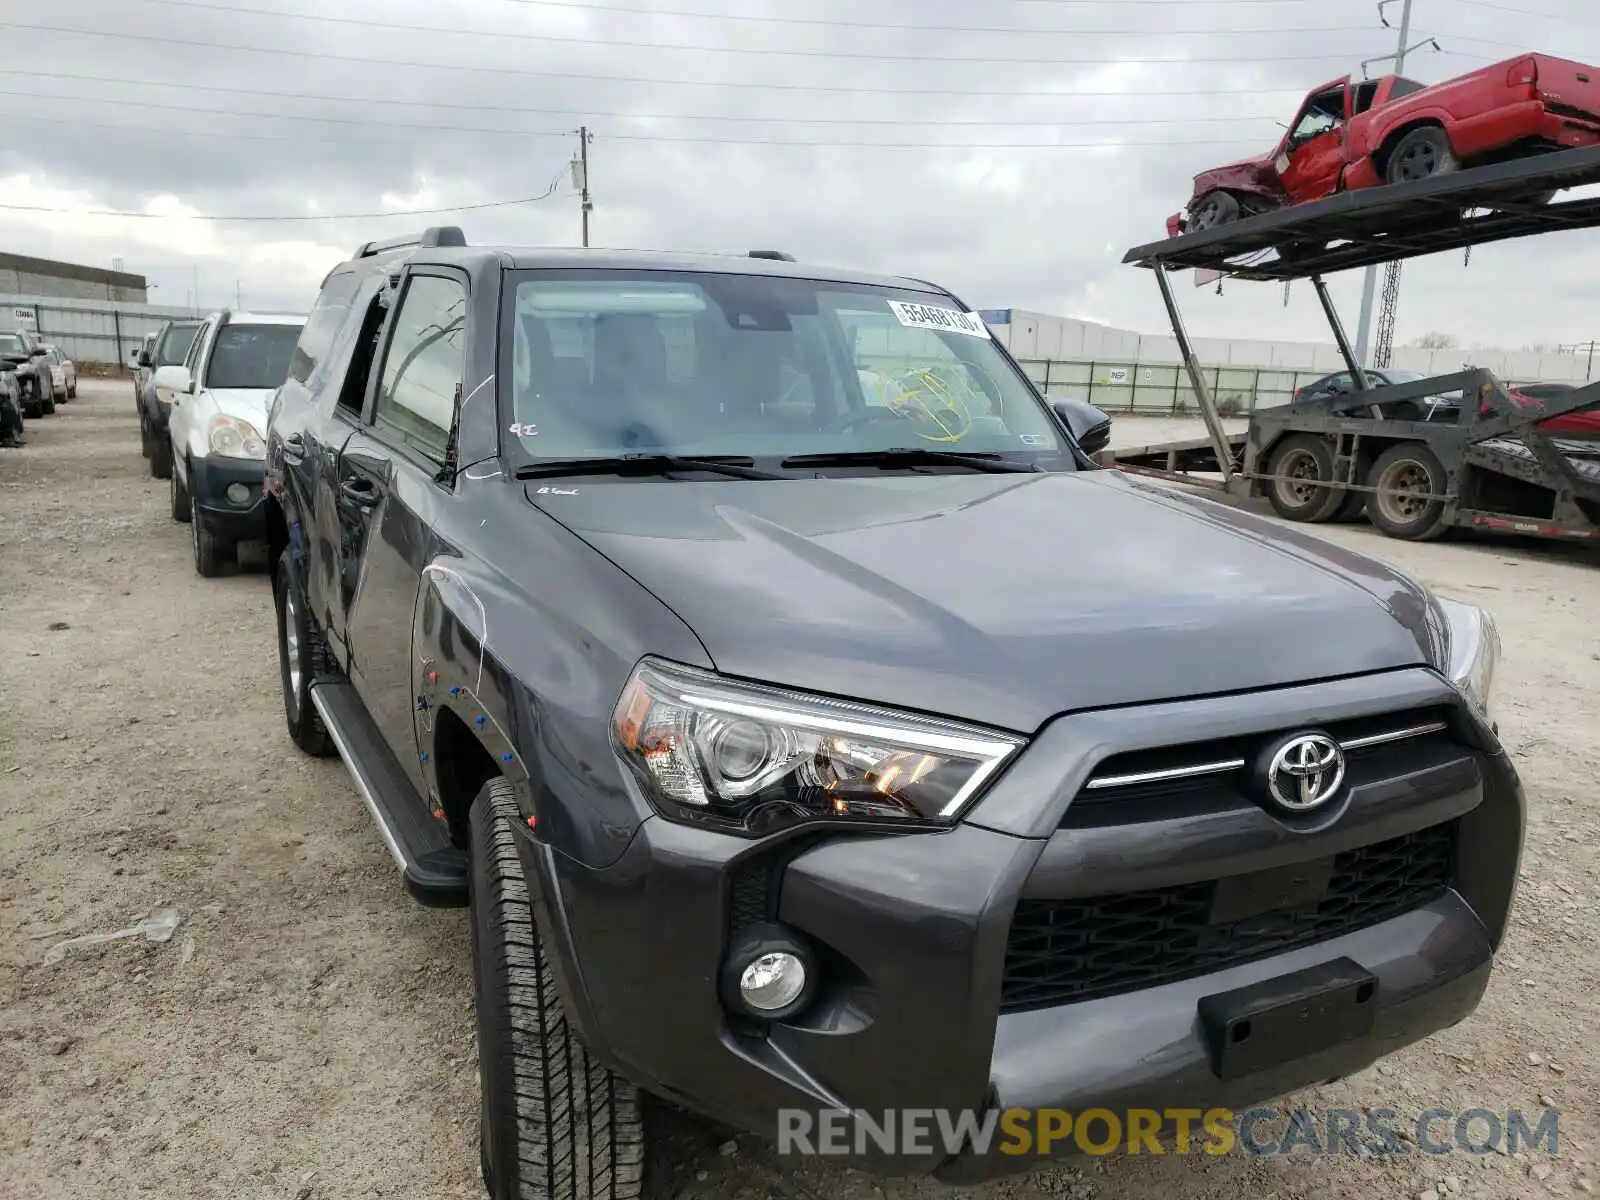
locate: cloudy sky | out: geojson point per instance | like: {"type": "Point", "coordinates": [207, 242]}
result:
{"type": "Point", "coordinates": [1011, 150]}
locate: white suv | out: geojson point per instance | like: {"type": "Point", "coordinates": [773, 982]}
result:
{"type": "Point", "coordinates": [219, 398]}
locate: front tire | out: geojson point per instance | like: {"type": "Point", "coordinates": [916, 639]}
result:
{"type": "Point", "coordinates": [213, 555]}
{"type": "Point", "coordinates": [160, 456]}
{"type": "Point", "coordinates": [301, 658]}
{"type": "Point", "coordinates": [1302, 487]}
{"type": "Point", "coordinates": [1215, 208]}
{"type": "Point", "coordinates": [557, 1125]}
{"type": "Point", "coordinates": [179, 495]}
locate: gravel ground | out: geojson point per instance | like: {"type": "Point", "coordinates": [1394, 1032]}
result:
{"type": "Point", "coordinates": [307, 1033]}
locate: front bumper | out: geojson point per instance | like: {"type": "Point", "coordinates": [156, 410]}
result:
{"type": "Point", "coordinates": [920, 1006]}
{"type": "Point", "coordinates": [235, 521]}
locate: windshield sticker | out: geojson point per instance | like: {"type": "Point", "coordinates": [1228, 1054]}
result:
{"type": "Point", "coordinates": [525, 430]}
{"type": "Point", "coordinates": [944, 320]}
{"type": "Point", "coordinates": [1033, 439]}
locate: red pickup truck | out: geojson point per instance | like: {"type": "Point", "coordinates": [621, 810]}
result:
{"type": "Point", "coordinates": [1360, 134]}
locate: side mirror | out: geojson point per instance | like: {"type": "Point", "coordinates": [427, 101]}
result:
{"type": "Point", "coordinates": [173, 379]}
{"type": "Point", "coordinates": [1090, 427]}
{"type": "Point", "coordinates": [144, 358]}
{"type": "Point", "coordinates": [40, 353]}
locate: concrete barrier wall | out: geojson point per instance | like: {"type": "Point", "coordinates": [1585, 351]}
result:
{"type": "Point", "coordinates": [90, 332]}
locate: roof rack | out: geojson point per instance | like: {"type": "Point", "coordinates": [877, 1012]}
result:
{"type": "Point", "coordinates": [434, 235]}
{"type": "Point", "coordinates": [775, 255]}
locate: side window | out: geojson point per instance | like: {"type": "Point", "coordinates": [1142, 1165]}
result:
{"type": "Point", "coordinates": [421, 380]}
{"type": "Point", "coordinates": [197, 351]}
{"type": "Point", "coordinates": [1364, 94]}
{"type": "Point", "coordinates": [316, 339]}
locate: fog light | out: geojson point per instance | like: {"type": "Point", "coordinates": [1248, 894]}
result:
{"type": "Point", "coordinates": [773, 981]}
{"type": "Point", "coordinates": [238, 493]}
{"type": "Point", "coordinates": [769, 972]}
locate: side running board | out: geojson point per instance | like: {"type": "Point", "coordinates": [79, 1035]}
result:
{"type": "Point", "coordinates": [435, 871]}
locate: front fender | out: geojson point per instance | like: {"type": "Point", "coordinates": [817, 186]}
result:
{"type": "Point", "coordinates": [534, 673]}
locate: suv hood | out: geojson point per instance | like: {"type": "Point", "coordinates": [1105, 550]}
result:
{"type": "Point", "coordinates": [249, 404]}
{"type": "Point", "coordinates": [1001, 599]}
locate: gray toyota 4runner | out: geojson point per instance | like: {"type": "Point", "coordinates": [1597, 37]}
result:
{"type": "Point", "coordinates": [810, 724]}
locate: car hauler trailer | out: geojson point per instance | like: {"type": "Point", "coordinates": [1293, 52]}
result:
{"type": "Point", "coordinates": [1415, 465]}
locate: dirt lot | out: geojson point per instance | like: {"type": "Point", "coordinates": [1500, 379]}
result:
{"type": "Point", "coordinates": [307, 1033]}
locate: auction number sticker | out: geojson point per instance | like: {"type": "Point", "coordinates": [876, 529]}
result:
{"type": "Point", "coordinates": [946, 320]}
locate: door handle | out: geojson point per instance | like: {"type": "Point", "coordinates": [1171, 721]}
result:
{"type": "Point", "coordinates": [359, 491]}
{"type": "Point", "coordinates": [294, 448]}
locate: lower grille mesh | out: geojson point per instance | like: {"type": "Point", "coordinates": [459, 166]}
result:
{"type": "Point", "coordinates": [1063, 951]}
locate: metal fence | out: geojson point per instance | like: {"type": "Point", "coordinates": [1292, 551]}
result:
{"type": "Point", "coordinates": [88, 331]}
{"type": "Point", "coordinates": [1151, 388]}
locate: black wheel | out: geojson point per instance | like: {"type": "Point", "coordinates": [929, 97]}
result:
{"type": "Point", "coordinates": [1301, 488]}
{"type": "Point", "coordinates": [47, 406]}
{"type": "Point", "coordinates": [1215, 208]}
{"type": "Point", "coordinates": [33, 411]}
{"type": "Point", "coordinates": [302, 656]}
{"type": "Point", "coordinates": [212, 555]}
{"type": "Point", "coordinates": [557, 1125]}
{"type": "Point", "coordinates": [1406, 475]}
{"type": "Point", "coordinates": [1420, 154]}
{"type": "Point", "coordinates": [144, 436]}
{"type": "Point", "coordinates": [160, 456]}
{"type": "Point", "coordinates": [72, 392]}
{"type": "Point", "coordinates": [180, 497]}
{"type": "Point", "coordinates": [1351, 508]}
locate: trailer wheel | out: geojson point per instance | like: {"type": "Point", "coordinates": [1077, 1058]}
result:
{"type": "Point", "coordinates": [1406, 475]}
{"type": "Point", "coordinates": [1420, 154]}
{"type": "Point", "coordinates": [1302, 487]}
{"type": "Point", "coordinates": [1215, 208]}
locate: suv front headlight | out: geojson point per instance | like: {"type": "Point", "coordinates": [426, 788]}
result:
{"type": "Point", "coordinates": [748, 760]}
{"type": "Point", "coordinates": [1473, 651]}
{"type": "Point", "coordinates": [234, 437]}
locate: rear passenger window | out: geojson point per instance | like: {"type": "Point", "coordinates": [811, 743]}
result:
{"type": "Point", "coordinates": [323, 325]}
{"type": "Point", "coordinates": [421, 378]}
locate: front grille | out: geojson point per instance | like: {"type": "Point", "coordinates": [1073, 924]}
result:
{"type": "Point", "coordinates": [1215, 776]}
{"type": "Point", "coordinates": [1064, 951]}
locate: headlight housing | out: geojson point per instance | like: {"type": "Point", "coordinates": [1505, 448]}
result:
{"type": "Point", "coordinates": [1473, 651]}
{"type": "Point", "coordinates": [749, 760]}
{"type": "Point", "coordinates": [234, 437]}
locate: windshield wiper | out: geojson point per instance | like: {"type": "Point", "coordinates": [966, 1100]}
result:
{"type": "Point", "coordinates": [907, 456]}
{"type": "Point", "coordinates": [644, 464]}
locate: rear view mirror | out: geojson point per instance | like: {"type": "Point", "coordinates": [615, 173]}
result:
{"type": "Point", "coordinates": [1090, 427]}
{"type": "Point", "coordinates": [173, 379]}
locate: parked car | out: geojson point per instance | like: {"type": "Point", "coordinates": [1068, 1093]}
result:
{"type": "Point", "coordinates": [63, 374]}
{"type": "Point", "coordinates": [140, 369]}
{"type": "Point", "coordinates": [220, 395]}
{"type": "Point", "coordinates": [11, 421]}
{"type": "Point", "coordinates": [21, 347]}
{"type": "Point", "coordinates": [170, 346]}
{"type": "Point", "coordinates": [1353, 134]}
{"type": "Point", "coordinates": [796, 752]}
{"type": "Point", "coordinates": [1444, 405]}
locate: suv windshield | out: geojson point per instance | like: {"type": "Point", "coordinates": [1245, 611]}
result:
{"type": "Point", "coordinates": [766, 367]}
{"type": "Point", "coordinates": [174, 347]}
{"type": "Point", "coordinates": [251, 356]}
{"type": "Point", "coordinates": [12, 343]}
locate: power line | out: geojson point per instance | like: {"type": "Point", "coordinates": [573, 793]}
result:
{"type": "Point", "coordinates": [907, 26]}
{"type": "Point", "coordinates": [525, 73]}
{"type": "Point", "coordinates": [167, 83]}
{"type": "Point", "coordinates": [410, 212]}
{"type": "Point", "coordinates": [1528, 12]}
{"type": "Point", "coordinates": [646, 137]}
{"type": "Point", "coordinates": [830, 54]}
{"type": "Point", "coordinates": [813, 21]}
{"type": "Point", "coordinates": [206, 110]}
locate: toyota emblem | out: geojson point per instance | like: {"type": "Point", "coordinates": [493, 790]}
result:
{"type": "Point", "coordinates": [1305, 772]}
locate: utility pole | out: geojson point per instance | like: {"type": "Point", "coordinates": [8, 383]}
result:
{"type": "Point", "coordinates": [580, 171]}
{"type": "Point", "coordinates": [238, 295]}
{"type": "Point", "coordinates": [1369, 282]}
